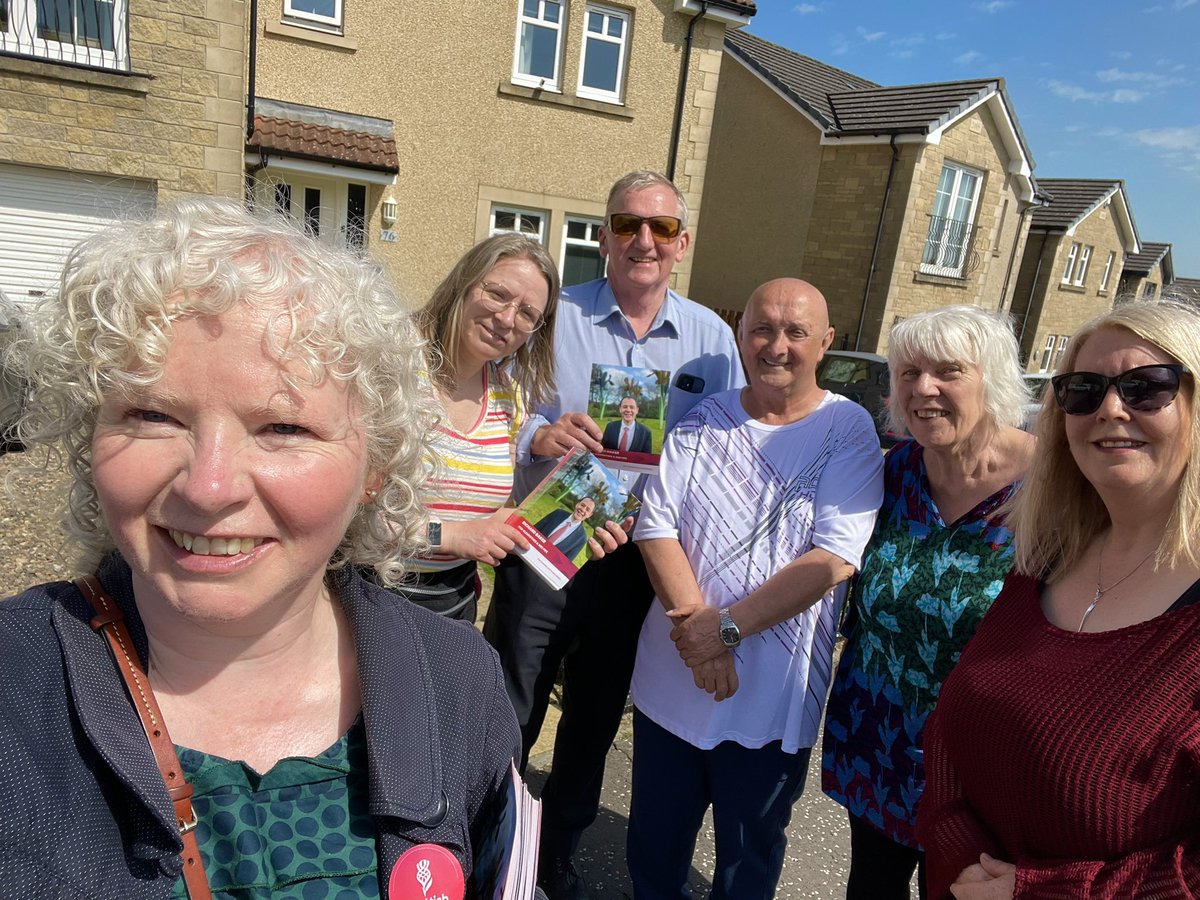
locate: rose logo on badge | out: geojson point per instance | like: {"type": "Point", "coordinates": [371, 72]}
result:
{"type": "Point", "coordinates": [427, 872]}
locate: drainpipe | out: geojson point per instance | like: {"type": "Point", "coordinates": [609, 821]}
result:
{"type": "Point", "coordinates": [1012, 254]}
{"type": "Point", "coordinates": [677, 125]}
{"type": "Point", "coordinates": [251, 72]}
{"type": "Point", "coordinates": [887, 192]}
{"type": "Point", "coordinates": [1033, 287]}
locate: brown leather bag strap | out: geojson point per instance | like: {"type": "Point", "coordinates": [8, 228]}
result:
{"type": "Point", "coordinates": [110, 622]}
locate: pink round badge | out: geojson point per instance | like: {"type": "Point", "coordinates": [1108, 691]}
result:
{"type": "Point", "coordinates": [427, 872]}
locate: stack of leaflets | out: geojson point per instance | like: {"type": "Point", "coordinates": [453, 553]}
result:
{"type": "Point", "coordinates": [506, 852]}
{"type": "Point", "coordinates": [579, 495]}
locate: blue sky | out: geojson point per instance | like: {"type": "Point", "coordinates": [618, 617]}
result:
{"type": "Point", "coordinates": [1102, 89]}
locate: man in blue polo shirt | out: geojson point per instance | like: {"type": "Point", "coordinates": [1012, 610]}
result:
{"type": "Point", "coordinates": [629, 318]}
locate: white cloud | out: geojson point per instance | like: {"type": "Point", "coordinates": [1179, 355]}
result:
{"type": "Point", "coordinates": [1076, 93]}
{"type": "Point", "coordinates": [1148, 79]}
{"type": "Point", "coordinates": [946, 35]}
{"type": "Point", "coordinates": [839, 46]}
{"type": "Point", "coordinates": [806, 9]}
{"type": "Point", "coordinates": [994, 6]}
{"type": "Point", "coordinates": [967, 58]}
{"type": "Point", "coordinates": [1175, 140]}
{"type": "Point", "coordinates": [870, 36]}
{"type": "Point", "coordinates": [1127, 95]}
{"type": "Point", "coordinates": [1121, 54]}
{"type": "Point", "coordinates": [908, 40]}
{"type": "Point", "coordinates": [902, 54]}
{"type": "Point", "coordinates": [1184, 4]}
{"type": "Point", "coordinates": [1073, 92]}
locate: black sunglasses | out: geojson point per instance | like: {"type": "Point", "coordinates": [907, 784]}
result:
{"type": "Point", "coordinates": [1144, 388]}
{"type": "Point", "coordinates": [664, 229]}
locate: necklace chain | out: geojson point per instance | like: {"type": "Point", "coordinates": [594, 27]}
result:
{"type": "Point", "coordinates": [1101, 591]}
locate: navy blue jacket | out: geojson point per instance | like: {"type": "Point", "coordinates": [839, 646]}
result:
{"type": "Point", "coordinates": [83, 808]}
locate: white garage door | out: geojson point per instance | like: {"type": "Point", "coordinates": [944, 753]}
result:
{"type": "Point", "coordinates": [46, 212]}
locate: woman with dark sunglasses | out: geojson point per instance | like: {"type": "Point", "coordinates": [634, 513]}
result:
{"type": "Point", "coordinates": [1064, 756]}
{"type": "Point", "coordinates": [489, 327]}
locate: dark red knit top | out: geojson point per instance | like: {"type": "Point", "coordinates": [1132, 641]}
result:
{"type": "Point", "coordinates": [1074, 756]}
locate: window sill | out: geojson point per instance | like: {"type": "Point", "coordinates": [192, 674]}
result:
{"type": "Point", "coordinates": [311, 36]}
{"type": "Point", "coordinates": [945, 280]}
{"type": "Point", "coordinates": [1072, 288]}
{"type": "Point", "coordinates": [132, 83]}
{"type": "Point", "coordinates": [1102, 292]}
{"type": "Point", "coordinates": [520, 92]}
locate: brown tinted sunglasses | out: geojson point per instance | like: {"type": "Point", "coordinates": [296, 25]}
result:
{"type": "Point", "coordinates": [664, 229]}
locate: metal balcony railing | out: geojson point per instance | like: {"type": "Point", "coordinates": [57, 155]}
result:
{"type": "Point", "coordinates": [949, 248]}
{"type": "Point", "coordinates": [90, 33]}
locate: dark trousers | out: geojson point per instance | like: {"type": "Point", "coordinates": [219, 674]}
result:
{"type": "Point", "coordinates": [752, 793]}
{"type": "Point", "coordinates": [591, 627]}
{"type": "Point", "coordinates": [880, 868]}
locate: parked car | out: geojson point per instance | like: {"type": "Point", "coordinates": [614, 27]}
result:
{"type": "Point", "coordinates": [12, 388]}
{"type": "Point", "coordinates": [1038, 383]}
{"type": "Point", "coordinates": [864, 378]}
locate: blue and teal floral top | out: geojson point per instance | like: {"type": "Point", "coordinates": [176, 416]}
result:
{"type": "Point", "coordinates": [924, 586]}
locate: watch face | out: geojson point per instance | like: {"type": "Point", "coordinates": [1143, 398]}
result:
{"type": "Point", "coordinates": [434, 534]}
{"type": "Point", "coordinates": [730, 635]}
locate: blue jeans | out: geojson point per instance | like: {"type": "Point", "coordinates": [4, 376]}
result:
{"type": "Point", "coordinates": [751, 793]}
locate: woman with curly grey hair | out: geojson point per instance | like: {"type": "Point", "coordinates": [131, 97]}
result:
{"type": "Point", "coordinates": [934, 565]}
{"type": "Point", "coordinates": [242, 413]}
{"type": "Point", "coordinates": [489, 328]}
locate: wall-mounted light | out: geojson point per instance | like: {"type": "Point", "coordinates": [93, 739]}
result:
{"type": "Point", "coordinates": [387, 212]}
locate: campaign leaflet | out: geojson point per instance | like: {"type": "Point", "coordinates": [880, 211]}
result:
{"type": "Point", "coordinates": [579, 495]}
{"type": "Point", "coordinates": [507, 847]}
{"type": "Point", "coordinates": [630, 406]}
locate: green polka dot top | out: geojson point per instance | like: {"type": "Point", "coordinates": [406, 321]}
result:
{"type": "Point", "coordinates": [302, 831]}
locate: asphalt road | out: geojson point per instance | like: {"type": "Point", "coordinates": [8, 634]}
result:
{"type": "Point", "coordinates": [818, 853]}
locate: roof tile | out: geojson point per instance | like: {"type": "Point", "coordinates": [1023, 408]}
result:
{"type": "Point", "coordinates": [324, 142]}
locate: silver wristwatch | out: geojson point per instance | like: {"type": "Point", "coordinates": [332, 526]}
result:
{"type": "Point", "coordinates": [731, 636]}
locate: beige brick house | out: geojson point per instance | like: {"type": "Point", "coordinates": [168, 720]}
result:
{"type": "Point", "coordinates": [1074, 256]}
{"type": "Point", "coordinates": [891, 200]}
{"type": "Point", "coordinates": [106, 105]}
{"type": "Point", "coordinates": [1146, 273]}
{"type": "Point", "coordinates": [417, 133]}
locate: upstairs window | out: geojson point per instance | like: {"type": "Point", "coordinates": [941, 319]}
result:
{"type": "Point", "coordinates": [1069, 269]}
{"type": "Point", "coordinates": [1149, 290]}
{"type": "Point", "coordinates": [538, 53]}
{"type": "Point", "coordinates": [1081, 265]}
{"type": "Point", "coordinates": [602, 58]}
{"type": "Point", "coordinates": [951, 237]}
{"type": "Point", "coordinates": [82, 32]}
{"type": "Point", "coordinates": [1112, 256]}
{"type": "Point", "coordinates": [325, 15]}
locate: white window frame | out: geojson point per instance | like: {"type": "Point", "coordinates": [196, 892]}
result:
{"type": "Point", "coordinates": [607, 12]}
{"type": "Point", "coordinates": [1112, 256]}
{"type": "Point", "coordinates": [1070, 267]}
{"type": "Point", "coordinates": [592, 241]}
{"type": "Point", "coordinates": [538, 81]}
{"type": "Point", "coordinates": [314, 20]}
{"type": "Point", "coordinates": [519, 212]}
{"type": "Point", "coordinates": [1059, 350]}
{"type": "Point", "coordinates": [1048, 351]}
{"type": "Point", "coordinates": [938, 265]}
{"type": "Point", "coordinates": [1081, 265]}
{"type": "Point", "coordinates": [21, 36]}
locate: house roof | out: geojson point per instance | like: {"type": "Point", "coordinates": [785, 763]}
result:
{"type": "Point", "coordinates": [1074, 199]}
{"type": "Point", "coordinates": [847, 107]}
{"type": "Point", "coordinates": [804, 80]}
{"type": "Point", "coordinates": [309, 132]}
{"type": "Point", "coordinates": [1151, 255]}
{"type": "Point", "coordinates": [1185, 289]}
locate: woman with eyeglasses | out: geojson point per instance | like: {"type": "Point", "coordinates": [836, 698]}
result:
{"type": "Point", "coordinates": [1063, 758]}
{"type": "Point", "coordinates": [489, 327]}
